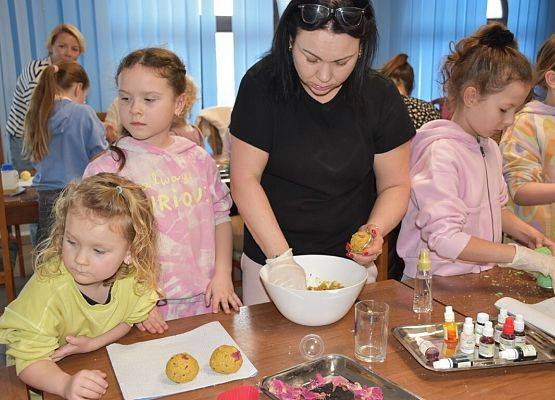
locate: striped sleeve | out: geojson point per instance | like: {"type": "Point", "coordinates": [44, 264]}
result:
{"type": "Point", "coordinates": [24, 89]}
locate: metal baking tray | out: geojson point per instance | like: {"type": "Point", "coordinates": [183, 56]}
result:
{"type": "Point", "coordinates": [406, 335]}
{"type": "Point", "coordinates": [336, 365]}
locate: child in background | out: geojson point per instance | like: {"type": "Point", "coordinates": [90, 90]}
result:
{"type": "Point", "coordinates": [401, 73]}
{"type": "Point", "coordinates": [458, 195]}
{"type": "Point", "coordinates": [96, 276]}
{"type": "Point", "coordinates": [528, 149]}
{"type": "Point", "coordinates": [62, 134]}
{"type": "Point", "coordinates": [190, 203]}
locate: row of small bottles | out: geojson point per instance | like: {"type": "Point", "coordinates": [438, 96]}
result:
{"type": "Point", "coordinates": [508, 334]}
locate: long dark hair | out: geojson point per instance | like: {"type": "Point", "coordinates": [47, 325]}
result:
{"type": "Point", "coordinates": [279, 61]}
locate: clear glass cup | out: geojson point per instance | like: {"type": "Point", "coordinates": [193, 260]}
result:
{"type": "Point", "coordinates": [371, 332]}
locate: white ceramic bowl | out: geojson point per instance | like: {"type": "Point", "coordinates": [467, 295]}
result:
{"type": "Point", "coordinates": [318, 307]}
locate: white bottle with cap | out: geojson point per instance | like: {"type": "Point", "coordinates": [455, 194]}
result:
{"type": "Point", "coordinates": [480, 322]}
{"type": "Point", "coordinates": [519, 353]}
{"type": "Point", "coordinates": [467, 340]}
{"type": "Point", "coordinates": [520, 335]}
{"type": "Point", "coordinates": [10, 179]}
{"type": "Point", "coordinates": [487, 344]}
{"type": "Point", "coordinates": [499, 326]}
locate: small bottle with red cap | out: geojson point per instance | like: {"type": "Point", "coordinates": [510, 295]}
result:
{"type": "Point", "coordinates": [507, 339]}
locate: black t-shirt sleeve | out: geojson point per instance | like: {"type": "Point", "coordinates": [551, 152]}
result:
{"type": "Point", "coordinates": [394, 124]}
{"type": "Point", "coordinates": [251, 119]}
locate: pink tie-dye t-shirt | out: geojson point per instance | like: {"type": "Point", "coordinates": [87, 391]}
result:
{"type": "Point", "coordinates": [188, 200]}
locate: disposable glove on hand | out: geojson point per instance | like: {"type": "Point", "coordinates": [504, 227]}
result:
{"type": "Point", "coordinates": [285, 272]}
{"type": "Point", "coordinates": [531, 261]}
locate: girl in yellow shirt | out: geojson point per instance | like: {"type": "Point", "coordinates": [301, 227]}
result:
{"type": "Point", "coordinates": [96, 276]}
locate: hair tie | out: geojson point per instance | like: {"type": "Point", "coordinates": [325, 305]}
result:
{"type": "Point", "coordinates": [498, 38]}
{"type": "Point", "coordinates": [55, 67]}
{"type": "Point", "coordinates": [119, 190]}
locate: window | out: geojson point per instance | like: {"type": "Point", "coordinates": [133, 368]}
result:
{"type": "Point", "coordinates": [497, 11]}
{"type": "Point", "coordinates": [225, 71]}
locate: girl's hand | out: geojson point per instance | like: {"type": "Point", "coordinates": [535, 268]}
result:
{"type": "Point", "coordinates": [537, 239]}
{"type": "Point", "coordinates": [372, 251]}
{"type": "Point", "coordinates": [74, 345]}
{"type": "Point", "coordinates": [154, 323]}
{"type": "Point", "coordinates": [220, 291]}
{"type": "Point", "coordinates": [86, 384]}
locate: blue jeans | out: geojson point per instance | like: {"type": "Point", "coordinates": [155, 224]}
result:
{"type": "Point", "coordinates": [16, 144]}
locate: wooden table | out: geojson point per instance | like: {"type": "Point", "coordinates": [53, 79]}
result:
{"type": "Point", "coordinates": [271, 343]}
{"type": "Point", "coordinates": [23, 208]}
{"type": "Point", "coordinates": [473, 293]}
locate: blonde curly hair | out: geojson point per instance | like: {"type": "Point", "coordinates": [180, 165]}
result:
{"type": "Point", "coordinates": [190, 97]}
{"type": "Point", "coordinates": [123, 203]}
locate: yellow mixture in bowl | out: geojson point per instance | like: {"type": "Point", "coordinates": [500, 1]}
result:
{"type": "Point", "coordinates": [327, 285]}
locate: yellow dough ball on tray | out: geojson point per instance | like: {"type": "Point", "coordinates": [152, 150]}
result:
{"type": "Point", "coordinates": [226, 359]}
{"type": "Point", "coordinates": [25, 175]}
{"type": "Point", "coordinates": [181, 368]}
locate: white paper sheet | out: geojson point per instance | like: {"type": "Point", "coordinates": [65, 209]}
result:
{"type": "Point", "coordinates": [141, 367]}
{"type": "Point", "coordinates": [541, 314]}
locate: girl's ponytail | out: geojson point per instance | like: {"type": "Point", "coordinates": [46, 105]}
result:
{"type": "Point", "coordinates": [54, 80]}
{"type": "Point", "coordinates": [37, 135]}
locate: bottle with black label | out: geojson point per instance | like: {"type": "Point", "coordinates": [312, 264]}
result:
{"type": "Point", "coordinates": [519, 353]}
{"type": "Point", "coordinates": [499, 326]}
{"type": "Point", "coordinates": [480, 322]}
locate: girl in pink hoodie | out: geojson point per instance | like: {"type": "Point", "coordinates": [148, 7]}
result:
{"type": "Point", "coordinates": [458, 195]}
{"type": "Point", "coordinates": [528, 149]}
{"type": "Point", "coordinates": [190, 202]}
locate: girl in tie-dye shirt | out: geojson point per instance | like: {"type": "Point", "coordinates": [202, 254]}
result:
{"type": "Point", "coordinates": [528, 149]}
{"type": "Point", "coordinates": [190, 202]}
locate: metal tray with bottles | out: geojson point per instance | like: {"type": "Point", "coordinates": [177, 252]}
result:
{"type": "Point", "coordinates": [334, 365]}
{"type": "Point", "coordinates": [406, 335]}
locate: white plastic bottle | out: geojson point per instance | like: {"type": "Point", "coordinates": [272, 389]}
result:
{"type": "Point", "coordinates": [10, 179]}
{"type": "Point", "coordinates": [422, 300]}
{"type": "Point", "coordinates": [467, 340]}
{"type": "Point", "coordinates": [481, 319]}
{"type": "Point", "coordinates": [498, 330]}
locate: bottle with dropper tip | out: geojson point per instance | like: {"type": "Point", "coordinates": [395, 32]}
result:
{"type": "Point", "coordinates": [422, 300]}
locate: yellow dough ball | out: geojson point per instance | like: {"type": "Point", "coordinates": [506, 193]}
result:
{"type": "Point", "coordinates": [25, 175]}
{"type": "Point", "coordinates": [226, 359]}
{"type": "Point", "coordinates": [359, 241]}
{"type": "Point", "coordinates": [182, 367]}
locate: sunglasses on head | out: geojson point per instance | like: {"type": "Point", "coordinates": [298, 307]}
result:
{"type": "Point", "coordinates": [348, 16]}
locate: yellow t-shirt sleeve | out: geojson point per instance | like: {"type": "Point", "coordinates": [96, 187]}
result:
{"type": "Point", "coordinates": [144, 304]}
{"type": "Point", "coordinates": [29, 325]}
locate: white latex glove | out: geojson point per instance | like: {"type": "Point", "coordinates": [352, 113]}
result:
{"type": "Point", "coordinates": [284, 271]}
{"type": "Point", "coordinates": [531, 261]}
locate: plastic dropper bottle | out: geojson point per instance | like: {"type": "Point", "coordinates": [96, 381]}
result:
{"type": "Point", "coordinates": [520, 335]}
{"type": "Point", "coordinates": [450, 333]}
{"type": "Point", "coordinates": [422, 300]}
{"type": "Point", "coordinates": [487, 344]}
{"type": "Point", "coordinates": [480, 322]}
{"type": "Point", "coordinates": [499, 326]}
{"type": "Point", "coordinates": [430, 351]}
{"type": "Point", "coordinates": [507, 339]}
{"type": "Point", "coordinates": [519, 353]}
{"type": "Point", "coordinates": [467, 341]}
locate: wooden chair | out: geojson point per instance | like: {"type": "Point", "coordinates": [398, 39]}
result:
{"type": "Point", "coordinates": [6, 276]}
{"type": "Point", "coordinates": [382, 262]}
{"type": "Point", "coordinates": [21, 260]}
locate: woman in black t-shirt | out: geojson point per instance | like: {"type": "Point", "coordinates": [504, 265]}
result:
{"type": "Point", "coordinates": [320, 142]}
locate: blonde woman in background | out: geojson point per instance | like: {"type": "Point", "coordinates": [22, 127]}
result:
{"type": "Point", "coordinates": [65, 43]}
